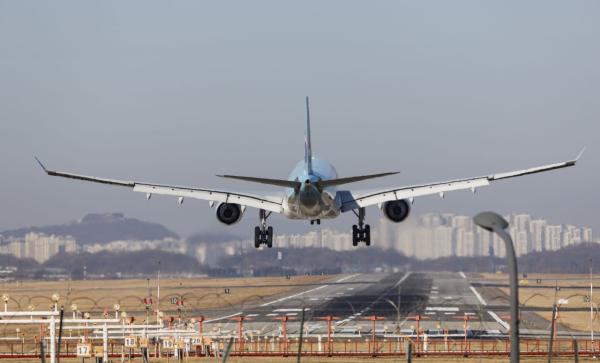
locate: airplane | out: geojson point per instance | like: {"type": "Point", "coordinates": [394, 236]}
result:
{"type": "Point", "coordinates": [311, 193]}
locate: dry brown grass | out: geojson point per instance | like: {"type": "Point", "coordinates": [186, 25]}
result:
{"type": "Point", "coordinates": [546, 297]}
{"type": "Point", "coordinates": [96, 295]}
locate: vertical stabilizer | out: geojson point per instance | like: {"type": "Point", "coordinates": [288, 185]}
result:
{"type": "Point", "coordinates": [307, 147]}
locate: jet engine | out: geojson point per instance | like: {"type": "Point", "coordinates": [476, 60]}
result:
{"type": "Point", "coordinates": [396, 210]}
{"type": "Point", "coordinates": [229, 213]}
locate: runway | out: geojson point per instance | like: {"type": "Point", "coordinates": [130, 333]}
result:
{"type": "Point", "coordinates": [441, 300]}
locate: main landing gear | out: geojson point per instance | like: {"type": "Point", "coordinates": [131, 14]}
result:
{"type": "Point", "coordinates": [362, 232]}
{"type": "Point", "coordinates": [263, 234]}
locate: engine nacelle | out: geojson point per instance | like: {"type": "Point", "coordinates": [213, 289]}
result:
{"type": "Point", "coordinates": [229, 213]}
{"type": "Point", "coordinates": [396, 210]}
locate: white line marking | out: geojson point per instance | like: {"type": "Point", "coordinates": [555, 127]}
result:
{"type": "Point", "coordinates": [306, 292]}
{"type": "Point", "coordinates": [462, 274]}
{"type": "Point", "coordinates": [478, 296]}
{"type": "Point", "coordinates": [347, 278]}
{"type": "Point", "coordinates": [223, 317]}
{"type": "Point", "coordinates": [491, 313]}
{"type": "Point", "coordinates": [368, 308]}
{"type": "Point", "coordinates": [293, 296]}
{"type": "Point", "coordinates": [271, 314]}
{"type": "Point", "coordinates": [403, 278]}
{"type": "Point", "coordinates": [441, 308]}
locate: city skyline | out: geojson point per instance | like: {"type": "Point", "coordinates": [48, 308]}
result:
{"type": "Point", "coordinates": [423, 236]}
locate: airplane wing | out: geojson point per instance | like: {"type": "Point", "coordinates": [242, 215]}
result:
{"type": "Point", "coordinates": [354, 200]}
{"type": "Point", "coordinates": [272, 204]}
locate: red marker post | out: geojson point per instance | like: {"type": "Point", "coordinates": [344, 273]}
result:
{"type": "Point", "coordinates": [374, 319]}
{"type": "Point", "coordinates": [284, 319]}
{"type": "Point", "coordinates": [329, 319]}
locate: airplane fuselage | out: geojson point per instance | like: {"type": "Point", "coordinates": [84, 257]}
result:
{"type": "Point", "coordinates": [308, 202]}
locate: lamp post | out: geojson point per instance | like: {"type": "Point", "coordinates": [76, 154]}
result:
{"type": "Point", "coordinates": [493, 222]}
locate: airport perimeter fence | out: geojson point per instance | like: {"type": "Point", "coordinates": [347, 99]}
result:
{"type": "Point", "coordinates": [313, 346]}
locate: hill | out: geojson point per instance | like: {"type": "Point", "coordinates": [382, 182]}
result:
{"type": "Point", "coordinates": [101, 228]}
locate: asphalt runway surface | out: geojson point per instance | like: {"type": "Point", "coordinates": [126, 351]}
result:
{"type": "Point", "coordinates": [440, 299]}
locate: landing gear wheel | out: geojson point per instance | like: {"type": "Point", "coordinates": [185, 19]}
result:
{"type": "Point", "coordinates": [270, 237]}
{"type": "Point", "coordinates": [354, 235]}
{"type": "Point", "coordinates": [257, 236]}
{"type": "Point", "coordinates": [362, 231]}
{"type": "Point", "coordinates": [263, 234]}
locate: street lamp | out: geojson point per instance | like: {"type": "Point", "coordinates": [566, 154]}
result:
{"type": "Point", "coordinates": [493, 222]}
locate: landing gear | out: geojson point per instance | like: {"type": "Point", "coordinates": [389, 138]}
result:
{"type": "Point", "coordinates": [362, 232]}
{"type": "Point", "coordinates": [263, 234]}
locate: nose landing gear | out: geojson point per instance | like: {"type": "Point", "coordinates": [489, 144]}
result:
{"type": "Point", "coordinates": [263, 234]}
{"type": "Point", "coordinates": [362, 232]}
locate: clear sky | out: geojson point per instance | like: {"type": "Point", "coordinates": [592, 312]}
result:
{"type": "Point", "coordinates": [178, 91]}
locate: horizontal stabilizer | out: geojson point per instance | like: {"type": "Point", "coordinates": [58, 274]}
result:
{"type": "Point", "coordinates": [352, 179]}
{"type": "Point", "coordinates": [277, 182]}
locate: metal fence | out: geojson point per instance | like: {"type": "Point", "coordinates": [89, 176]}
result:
{"type": "Point", "coordinates": [314, 346]}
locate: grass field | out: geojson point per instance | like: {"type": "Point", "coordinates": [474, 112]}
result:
{"type": "Point", "coordinates": [94, 296]}
{"type": "Point", "coordinates": [546, 297]}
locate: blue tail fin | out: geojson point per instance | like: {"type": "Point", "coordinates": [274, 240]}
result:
{"type": "Point", "coordinates": [307, 148]}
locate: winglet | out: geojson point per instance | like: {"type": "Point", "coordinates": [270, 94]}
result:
{"type": "Point", "coordinates": [41, 165]}
{"type": "Point", "coordinates": [580, 154]}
